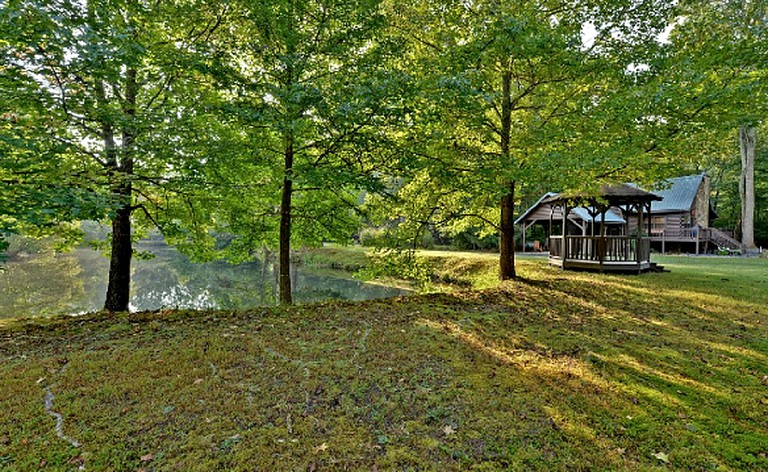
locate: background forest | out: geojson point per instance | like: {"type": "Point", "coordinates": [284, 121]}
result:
{"type": "Point", "coordinates": [237, 126]}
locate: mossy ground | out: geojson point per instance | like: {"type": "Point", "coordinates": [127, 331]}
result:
{"type": "Point", "coordinates": [555, 371]}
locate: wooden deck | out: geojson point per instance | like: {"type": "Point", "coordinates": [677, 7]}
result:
{"type": "Point", "coordinates": [604, 254]}
{"type": "Point", "coordinates": [703, 239]}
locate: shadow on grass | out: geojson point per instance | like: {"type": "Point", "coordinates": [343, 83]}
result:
{"type": "Point", "coordinates": [657, 370]}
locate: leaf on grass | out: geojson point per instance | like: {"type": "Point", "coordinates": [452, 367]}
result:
{"type": "Point", "coordinates": [662, 457]}
{"type": "Point", "coordinates": [321, 448]}
{"type": "Point", "coordinates": [230, 442]}
{"type": "Point", "coordinates": [448, 430]}
{"type": "Point", "coordinates": [146, 457]}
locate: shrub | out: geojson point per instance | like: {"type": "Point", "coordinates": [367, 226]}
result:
{"type": "Point", "coordinates": [374, 237]}
{"type": "Point", "coordinates": [399, 264]}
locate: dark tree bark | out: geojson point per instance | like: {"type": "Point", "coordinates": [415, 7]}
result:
{"type": "Point", "coordinates": [119, 285]}
{"type": "Point", "coordinates": [286, 295]}
{"type": "Point", "coordinates": [507, 223]}
{"type": "Point", "coordinates": [507, 236]}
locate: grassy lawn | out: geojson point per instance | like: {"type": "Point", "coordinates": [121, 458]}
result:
{"type": "Point", "coordinates": [556, 371]}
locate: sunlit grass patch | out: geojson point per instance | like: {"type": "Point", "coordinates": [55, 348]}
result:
{"type": "Point", "coordinates": [555, 371]}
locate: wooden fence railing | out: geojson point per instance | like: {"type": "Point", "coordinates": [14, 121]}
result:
{"type": "Point", "coordinates": [695, 233]}
{"type": "Point", "coordinates": [674, 233]}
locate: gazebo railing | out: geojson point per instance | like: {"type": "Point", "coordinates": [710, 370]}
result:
{"type": "Point", "coordinates": [596, 248]}
{"type": "Point", "coordinates": [556, 247]}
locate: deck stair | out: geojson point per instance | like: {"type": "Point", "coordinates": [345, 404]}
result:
{"type": "Point", "coordinates": [723, 239]}
{"type": "Point", "coordinates": [657, 268]}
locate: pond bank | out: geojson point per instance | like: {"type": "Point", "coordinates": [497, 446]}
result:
{"type": "Point", "coordinates": [49, 284]}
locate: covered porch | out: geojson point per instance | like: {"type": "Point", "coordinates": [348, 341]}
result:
{"type": "Point", "coordinates": [628, 252]}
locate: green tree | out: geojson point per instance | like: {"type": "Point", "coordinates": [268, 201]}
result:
{"type": "Point", "coordinates": [104, 85]}
{"type": "Point", "coordinates": [518, 97]}
{"type": "Point", "coordinates": [719, 56]}
{"type": "Point", "coordinates": [41, 189]}
{"type": "Point", "coordinates": [310, 89]}
{"type": "Point", "coordinates": [721, 163]}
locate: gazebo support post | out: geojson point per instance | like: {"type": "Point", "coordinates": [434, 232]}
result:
{"type": "Point", "coordinates": [601, 247]}
{"type": "Point", "coordinates": [549, 229]}
{"type": "Point", "coordinates": [640, 208]}
{"type": "Point", "coordinates": [650, 220]}
{"type": "Point", "coordinates": [565, 232]}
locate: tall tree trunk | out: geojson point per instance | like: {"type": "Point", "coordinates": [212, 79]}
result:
{"type": "Point", "coordinates": [286, 295]}
{"type": "Point", "coordinates": [119, 285]}
{"type": "Point", "coordinates": [507, 236]}
{"type": "Point", "coordinates": [292, 113]}
{"type": "Point", "coordinates": [507, 223]}
{"type": "Point", "coordinates": [747, 143]}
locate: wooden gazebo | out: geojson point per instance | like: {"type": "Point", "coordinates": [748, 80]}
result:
{"type": "Point", "coordinates": [629, 252]}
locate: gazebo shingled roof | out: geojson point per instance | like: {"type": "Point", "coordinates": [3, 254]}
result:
{"type": "Point", "coordinates": [614, 195]}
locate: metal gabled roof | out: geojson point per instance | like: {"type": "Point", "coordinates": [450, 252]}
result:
{"type": "Point", "coordinates": [533, 207]}
{"type": "Point", "coordinates": [615, 195]}
{"type": "Point", "coordinates": [611, 217]}
{"type": "Point", "coordinates": [678, 194]}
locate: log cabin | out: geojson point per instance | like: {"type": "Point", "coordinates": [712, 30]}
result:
{"type": "Point", "coordinates": [682, 220]}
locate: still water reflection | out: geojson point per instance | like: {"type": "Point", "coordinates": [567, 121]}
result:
{"type": "Point", "coordinates": [76, 282]}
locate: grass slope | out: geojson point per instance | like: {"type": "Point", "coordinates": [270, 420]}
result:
{"type": "Point", "coordinates": [558, 371]}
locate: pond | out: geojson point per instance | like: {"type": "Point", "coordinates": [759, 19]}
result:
{"type": "Point", "coordinates": [76, 282]}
